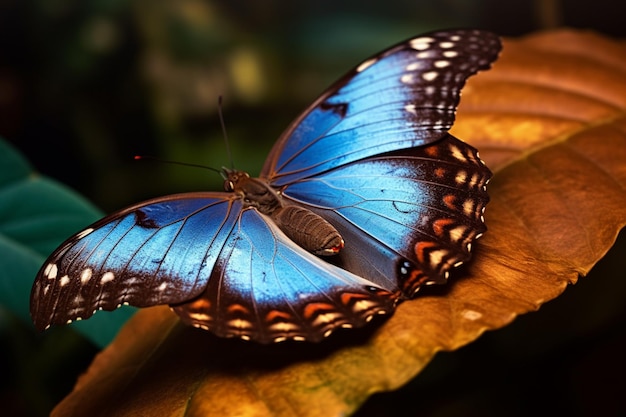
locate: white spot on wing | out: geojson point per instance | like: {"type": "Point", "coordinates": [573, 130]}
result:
{"type": "Point", "coordinates": [107, 277]}
{"type": "Point", "coordinates": [240, 324]}
{"type": "Point", "coordinates": [199, 316]}
{"type": "Point", "coordinates": [51, 271]}
{"type": "Point", "coordinates": [363, 305]}
{"type": "Point", "coordinates": [468, 207]}
{"type": "Point", "coordinates": [407, 79]}
{"type": "Point", "coordinates": [456, 152]}
{"type": "Point", "coordinates": [425, 55]}
{"type": "Point", "coordinates": [430, 75]}
{"type": "Point", "coordinates": [475, 180]}
{"type": "Point", "coordinates": [436, 257]}
{"type": "Point", "coordinates": [457, 233]}
{"type": "Point", "coordinates": [421, 43]}
{"type": "Point", "coordinates": [414, 66]}
{"type": "Point", "coordinates": [441, 64]}
{"type": "Point", "coordinates": [450, 54]}
{"type": "Point", "coordinates": [162, 287]}
{"type": "Point", "coordinates": [284, 327]}
{"type": "Point", "coordinates": [84, 233]}
{"type": "Point", "coordinates": [446, 45]}
{"type": "Point", "coordinates": [64, 281]}
{"type": "Point", "coordinates": [326, 318]}
{"type": "Point", "coordinates": [366, 64]}
{"type": "Point", "coordinates": [461, 177]}
{"type": "Point", "coordinates": [85, 276]}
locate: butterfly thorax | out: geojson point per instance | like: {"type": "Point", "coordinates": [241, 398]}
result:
{"type": "Point", "coordinates": [307, 229]}
{"type": "Point", "coordinates": [254, 192]}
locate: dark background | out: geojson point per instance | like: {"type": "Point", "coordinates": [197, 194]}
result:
{"type": "Point", "coordinates": [86, 85]}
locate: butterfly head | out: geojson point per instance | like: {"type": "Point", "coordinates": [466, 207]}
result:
{"type": "Point", "coordinates": [253, 191]}
{"type": "Point", "coordinates": [233, 179]}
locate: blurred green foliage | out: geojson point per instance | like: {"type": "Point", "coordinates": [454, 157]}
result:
{"type": "Point", "coordinates": [86, 85]}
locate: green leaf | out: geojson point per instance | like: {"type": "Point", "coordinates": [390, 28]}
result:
{"type": "Point", "coordinates": [36, 215]}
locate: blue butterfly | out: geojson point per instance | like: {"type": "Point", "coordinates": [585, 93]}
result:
{"type": "Point", "coordinates": [362, 200]}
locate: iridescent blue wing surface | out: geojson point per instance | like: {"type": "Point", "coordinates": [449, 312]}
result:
{"type": "Point", "coordinates": [157, 252]}
{"type": "Point", "coordinates": [244, 277]}
{"type": "Point", "coordinates": [266, 288]}
{"type": "Point", "coordinates": [402, 98]}
{"type": "Point", "coordinates": [407, 216]}
{"type": "Point", "coordinates": [373, 157]}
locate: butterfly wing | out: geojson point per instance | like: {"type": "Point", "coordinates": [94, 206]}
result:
{"type": "Point", "coordinates": [158, 252]}
{"type": "Point", "coordinates": [266, 288]}
{"type": "Point", "coordinates": [373, 157]}
{"type": "Point", "coordinates": [244, 276]}
{"type": "Point", "coordinates": [406, 216]}
{"type": "Point", "coordinates": [402, 98]}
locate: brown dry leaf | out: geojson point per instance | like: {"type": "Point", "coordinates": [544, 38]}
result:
{"type": "Point", "coordinates": [549, 119]}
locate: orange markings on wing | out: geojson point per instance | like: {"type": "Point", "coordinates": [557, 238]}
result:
{"type": "Point", "coordinates": [312, 309]}
{"type": "Point", "coordinates": [449, 201]}
{"type": "Point", "coordinates": [440, 172]}
{"type": "Point", "coordinates": [432, 151]}
{"type": "Point", "coordinates": [420, 247]}
{"type": "Point", "coordinates": [238, 308]}
{"type": "Point", "coordinates": [348, 297]}
{"type": "Point", "coordinates": [416, 279]}
{"type": "Point", "coordinates": [277, 315]}
{"type": "Point", "coordinates": [439, 226]}
{"type": "Point", "coordinates": [200, 304]}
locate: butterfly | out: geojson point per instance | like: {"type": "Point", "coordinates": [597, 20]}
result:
{"type": "Point", "coordinates": [364, 198]}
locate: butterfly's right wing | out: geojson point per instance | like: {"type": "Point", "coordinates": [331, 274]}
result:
{"type": "Point", "coordinates": [161, 251]}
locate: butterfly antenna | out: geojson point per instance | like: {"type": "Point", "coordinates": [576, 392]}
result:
{"type": "Point", "coordinates": [165, 161]}
{"type": "Point", "coordinates": [226, 141]}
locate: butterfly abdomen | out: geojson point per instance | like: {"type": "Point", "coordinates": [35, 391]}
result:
{"type": "Point", "coordinates": [308, 230]}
